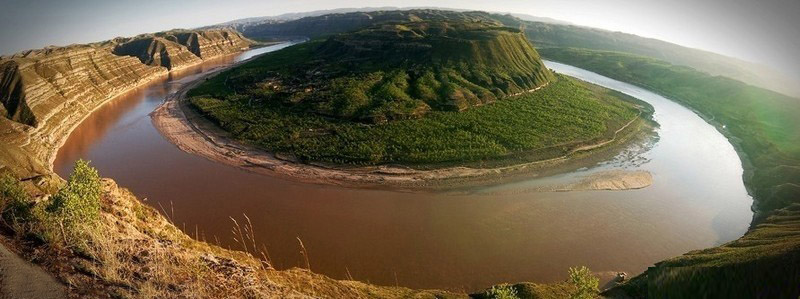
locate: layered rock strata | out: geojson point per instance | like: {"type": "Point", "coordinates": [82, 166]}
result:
{"type": "Point", "coordinates": [45, 93]}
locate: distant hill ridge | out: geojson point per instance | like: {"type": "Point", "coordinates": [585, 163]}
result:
{"type": "Point", "coordinates": [543, 32]}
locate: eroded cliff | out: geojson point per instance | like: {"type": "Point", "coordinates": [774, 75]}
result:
{"type": "Point", "coordinates": [45, 93]}
{"type": "Point", "coordinates": [210, 43]}
{"type": "Point", "coordinates": [181, 48]}
{"type": "Point", "coordinates": [157, 51]}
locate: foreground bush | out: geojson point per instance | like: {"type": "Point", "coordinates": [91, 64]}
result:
{"type": "Point", "coordinates": [15, 203]}
{"type": "Point", "coordinates": [76, 206]}
{"type": "Point", "coordinates": [585, 282]}
{"type": "Point", "coordinates": [505, 291]}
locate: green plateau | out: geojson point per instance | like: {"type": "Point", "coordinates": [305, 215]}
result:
{"type": "Point", "coordinates": [420, 93]}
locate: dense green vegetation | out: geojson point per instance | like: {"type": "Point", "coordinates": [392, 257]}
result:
{"type": "Point", "coordinates": [503, 291]}
{"type": "Point", "coordinates": [585, 283]}
{"type": "Point", "coordinates": [63, 220]}
{"type": "Point", "coordinates": [398, 71]}
{"type": "Point", "coordinates": [543, 124]}
{"type": "Point", "coordinates": [399, 93]}
{"type": "Point", "coordinates": [763, 125]}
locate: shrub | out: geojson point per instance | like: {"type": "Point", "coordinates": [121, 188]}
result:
{"type": "Point", "coordinates": [15, 203]}
{"type": "Point", "coordinates": [503, 291]}
{"type": "Point", "coordinates": [76, 205]}
{"type": "Point", "coordinates": [584, 281]}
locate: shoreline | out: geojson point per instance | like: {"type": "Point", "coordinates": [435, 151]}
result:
{"type": "Point", "coordinates": [192, 133]}
{"type": "Point", "coordinates": [52, 152]}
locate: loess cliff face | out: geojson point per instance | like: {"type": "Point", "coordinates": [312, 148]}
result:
{"type": "Point", "coordinates": [38, 85]}
{"type": "Point", "coordinates": [210, 43]}
{"type": "Point", "coordinates": [45, 93]}
{"type": "Point", "coordinates": [181, 48]}
{"type": "Point", "coordinates": [157, 51]}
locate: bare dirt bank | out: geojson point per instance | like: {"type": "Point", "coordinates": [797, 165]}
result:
{"type": "Point", "coordinates": [192, 133]}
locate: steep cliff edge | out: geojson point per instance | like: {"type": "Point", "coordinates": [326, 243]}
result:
{"type": "Point", "coordinates": [45, 93]}
{"type": "Point", "coordinates": [210, 43]}
{"type": "Point", "coordinates": [157, 51]}
{"type": "Point", "coordinates": [181, 48]}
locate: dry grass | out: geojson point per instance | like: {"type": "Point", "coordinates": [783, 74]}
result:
{"type": "Point", "coordinates": [133, 251]}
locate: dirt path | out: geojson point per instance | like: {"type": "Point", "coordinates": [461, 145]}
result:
{"type": "Point", "coordinates": [20, 279]}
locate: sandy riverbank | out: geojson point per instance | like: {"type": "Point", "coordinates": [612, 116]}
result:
{"type": "Point", "coordinates": [610, 180]}
{"type": "Point", "coordinates": [192, 133]}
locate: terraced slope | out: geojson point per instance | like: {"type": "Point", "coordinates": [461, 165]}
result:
{"type": "Point", "coordinates": [44, 93]}
{"type": "Point", "coordinates": [157, 51]}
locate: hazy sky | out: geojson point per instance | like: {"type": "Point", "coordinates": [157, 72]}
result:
{"type": "Point", "coordinates": [765, 31]}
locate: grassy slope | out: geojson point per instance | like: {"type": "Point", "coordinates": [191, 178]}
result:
{"type": "Point", "coordinates": [763, 126]}
{"type": "Point", "coordinates": [545, 35]}
{"type": "Point", "coordinates": [543, 124]}
{"type": "Point", "coordinates": [132, 251]}
{"type": "Point", "coordinates": [400, 70]}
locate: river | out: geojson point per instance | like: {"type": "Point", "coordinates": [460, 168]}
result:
{"type": "Point", "coordinates": [455, 241]}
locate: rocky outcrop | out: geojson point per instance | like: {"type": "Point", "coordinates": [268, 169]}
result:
{"type": "Point", "coordinates": [210, 43]}
{"type": "Point", "coordinates": [181, 48]}
{"type": "Point", "coordinates": [157, 51]}
{"type": "Point", "coordinates": [45, 93]}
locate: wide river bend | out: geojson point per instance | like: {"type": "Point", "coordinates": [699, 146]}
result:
{"type": "Point", "coordinates": [456, 241]}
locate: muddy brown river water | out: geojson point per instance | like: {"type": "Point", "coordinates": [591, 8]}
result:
{"type": "Point", "coordinates": [456, 241]}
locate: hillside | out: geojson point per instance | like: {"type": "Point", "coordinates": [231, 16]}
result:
{"type": "Point", "coordinates": [542, 33]}
{"type": "Point", "coordinates": [428, 93]}
{"type": "Point", "coordinates": [755, 121]}
{"type": "Point", "coordinates": [546, 35]}
{"type": "Point", "coordinates": [403, 70]}
{"type": "Point", "coordinates": [180, 48]}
